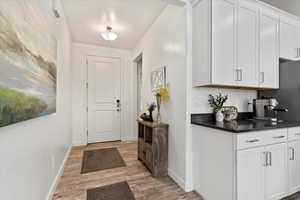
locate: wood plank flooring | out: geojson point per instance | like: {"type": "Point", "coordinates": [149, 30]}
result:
{"type": "Point", "coordinates": [73, 185]}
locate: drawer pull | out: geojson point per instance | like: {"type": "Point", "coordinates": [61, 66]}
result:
{"type": "Point", "coordinates": [278, 137]}
{"type": "Point", "coordinates": [297, 134]}
{"type": "Point", "coordinates": [253, 141]}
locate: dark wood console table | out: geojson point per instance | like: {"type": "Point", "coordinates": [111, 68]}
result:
{"type": "Point", "coordinates": [153, 147]}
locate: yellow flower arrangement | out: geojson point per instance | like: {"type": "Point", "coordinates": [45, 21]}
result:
{"type": "Point", "coordinates": [163, 93]}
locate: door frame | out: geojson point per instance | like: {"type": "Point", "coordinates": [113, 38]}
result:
{"type": "Point", "coordinates": [122, 117]}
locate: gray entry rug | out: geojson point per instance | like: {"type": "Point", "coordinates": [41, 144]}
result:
{"type": "Point", "coordinates": [101, 159]}
{"type": "Point", "coordinates": [118, 191]}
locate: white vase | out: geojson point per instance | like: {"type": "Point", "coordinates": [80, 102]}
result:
{"type": "Point", "coordinates": [219, 116]}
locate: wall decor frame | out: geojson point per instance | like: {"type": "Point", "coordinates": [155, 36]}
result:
{"type": "Point", "coordinates": [28, 57]}
{"type": "Point", "coordinates": [159, 78]}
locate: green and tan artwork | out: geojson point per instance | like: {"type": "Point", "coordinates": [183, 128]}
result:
{"type": "Point", "coordinates": [27, 63]}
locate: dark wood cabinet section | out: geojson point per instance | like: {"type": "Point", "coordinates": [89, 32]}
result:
{"type": "Point", "coordinates": [153, 147]}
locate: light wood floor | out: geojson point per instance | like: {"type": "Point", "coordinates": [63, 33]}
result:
{"type": "Point", "coordinates": [73, 185]}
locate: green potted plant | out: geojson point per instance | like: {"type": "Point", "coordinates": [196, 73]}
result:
{"type": "Point", "coordinates": [217, 102]}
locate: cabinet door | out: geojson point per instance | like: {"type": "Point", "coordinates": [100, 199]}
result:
{"type": "Point", "coordinates": [223, 42]}
{"type": "Point", "coordinates": [294, 166]}
{"type": "Point", "coordinates": [276, 172]}
{"type": "Point", "coordinates": [247, 45]}
{"type": "Point", "coordinates": [269, 52]}
{"type": "Point", "coordinates": [298, 43]}
{"type": "Point", "coordinates": [250, 174]}
{"type": "Point", "coordinates": [287, 41]}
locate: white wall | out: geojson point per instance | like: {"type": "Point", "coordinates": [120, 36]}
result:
{"type": "Point", "coordinates": [33, 151]}
{"type": "Point", "coordinates": [164, 45]}
{"type": "Point", "coordinates": [79, 91]}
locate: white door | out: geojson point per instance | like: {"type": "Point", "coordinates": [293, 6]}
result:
{"type": "Point", "coordinates": [250, 174]}
{"type": "Point", "coordinates": [276, 172]}
{"type": "Point", "coordinates": [294, 166]}
{"type": "Point", "coordinates": [104, 118]}
{"type": "Point", "coordinates": [223, 42]}
{"type": "Point", "coordinates": [247, 37]}
{"type": "Point", "coordinates": [269, 48]}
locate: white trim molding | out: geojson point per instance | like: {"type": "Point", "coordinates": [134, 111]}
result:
{"type": "Point", "coordinates": [180, 181]}
{"type": "Point", "coordinates": [58, 176]}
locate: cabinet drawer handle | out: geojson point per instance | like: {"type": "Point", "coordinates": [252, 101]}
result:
{"type": "Point", "coordinates": [252, 141]}
{"type": "Point", "coordinates": [278, 137]}
{"type": "Point", "coordinates": [297, 134]}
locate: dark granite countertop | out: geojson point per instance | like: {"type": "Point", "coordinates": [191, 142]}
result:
{"type": "Point", "coordinates": [245, 123]}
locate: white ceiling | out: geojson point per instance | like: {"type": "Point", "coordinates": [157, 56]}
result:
{"type": "Point", "coordinates": [129, 18]}
{"type": "Point", "coordinates": [291, 6]}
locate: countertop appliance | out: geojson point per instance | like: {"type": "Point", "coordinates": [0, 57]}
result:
{"type": "Point", "coordinates": [267, 109]}
{"type": "Point", "coordinates": [289, 93]}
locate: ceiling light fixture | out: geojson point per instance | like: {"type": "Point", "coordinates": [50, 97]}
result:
{"type": "Point", "coordinates": [109, 34]}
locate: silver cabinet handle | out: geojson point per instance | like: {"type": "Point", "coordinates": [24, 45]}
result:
{"type": "Point", "coordinates": [253, 141]}
{"type": "Point", "coordinates": [297, 134]}
{"type": "Point", "coordinates": [262, 77]}
{"type": "Point", "coordinates": [278, 137]}
{"type": "Point", "coordinates": [297, 52]}
{"type": "Point", "coordinates": [292, 150]}
{"type": "Point", "coordinates": [237, 75]}
{"type": "Point", "coordinates": [241, 71]}
{"type": "Point", "coordinates": [265, 159]}
{"type": "Point", "coordinates": [268, 158]}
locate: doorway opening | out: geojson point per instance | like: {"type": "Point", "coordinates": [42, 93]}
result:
{"type": "Point", "coordinates": [139, 83]}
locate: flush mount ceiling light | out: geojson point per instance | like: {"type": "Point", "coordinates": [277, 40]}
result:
{"type": "Point", "coordinates": [109, 34]}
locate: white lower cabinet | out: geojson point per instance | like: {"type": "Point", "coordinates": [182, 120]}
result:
{"type": "Point", "coordinates": [250, 174]}
{"type": "Point", "coordinates": [276, 172]}
{"type": "Point", "coordinates": [262, 173]}
{"type": "Point", "coordinates": [262, 165]}
{"type": "Point", "coordinates": [294, 166]}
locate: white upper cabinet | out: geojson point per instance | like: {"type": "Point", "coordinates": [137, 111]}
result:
{"type": "Point", "coordinates": [223, 42]}
{"type": "Point", "coordinates": [289, 39]}
{"type": "Point", "coordinates": [269, 50]}
{"type": "Point", "coordinates": [235, 44]}
{"type": "Point", "coordinates": [247, 44]}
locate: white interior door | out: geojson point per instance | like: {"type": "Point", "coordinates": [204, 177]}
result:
{"type": "Point", "coordinates": [104, 112]}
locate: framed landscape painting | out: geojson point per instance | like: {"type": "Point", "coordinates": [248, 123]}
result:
{"type": "Point", "coordinates": [27, 63]}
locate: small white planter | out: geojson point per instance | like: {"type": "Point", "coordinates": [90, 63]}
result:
{"type": "Point", "coordinates": [219, 116]}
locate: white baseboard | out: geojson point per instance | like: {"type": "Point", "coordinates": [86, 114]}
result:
{"type": "Point", "coordinates": [180, 181]}
{"type": "Point", "coordinates": [59, 174]}
{"type": "Point", "coordinates": [78, 143]}
{"type": "Point", "coordinates": [130, 139]}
